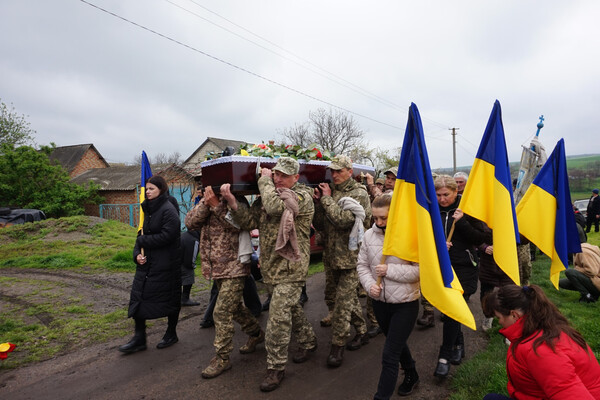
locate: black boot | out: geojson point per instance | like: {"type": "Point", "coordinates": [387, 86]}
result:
{"type": "Point", "coordinates": [442, 369]}
{"type": "Point", "coordinates": [170, 337]}
{"type": "Point", "coordinates": [458, 351]}
{"type": "Point", "coordinates": [443, 366]}
{"type": "Point", "coordinates": [138, 342]}
{"type": "Point", "coordinates": [411, 381]}
{"type": "Point", "coordinates": [185, 297]}
{"type": "Point", "coordinates": [303, 296]}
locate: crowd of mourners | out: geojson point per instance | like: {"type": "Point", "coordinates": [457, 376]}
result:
{"type": "Point", "coordinates": [547, 358]}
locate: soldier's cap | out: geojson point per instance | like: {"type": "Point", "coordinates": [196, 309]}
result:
{"type": "Point", "coordinates": [393, 170]}
{"type": "Point", "coordinates": [287, 165]}
{"type": "Point", "coordinates": [595, 191]}
{"type": "Point", "coordinates": [340, 162]}
{"type": "Point", "coordinates": [380, 180]}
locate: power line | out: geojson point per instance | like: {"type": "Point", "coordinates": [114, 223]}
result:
{"type": "Point", "coordinates": [332, 77]}
{"type": "Point", "coordinates": [240, 68]}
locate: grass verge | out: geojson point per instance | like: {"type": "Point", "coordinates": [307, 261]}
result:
{"type": "Point", "coordinates": [467, 383]}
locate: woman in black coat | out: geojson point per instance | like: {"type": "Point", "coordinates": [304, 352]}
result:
{"type": "Point", "coordinates": [468, 233]}
{"type": "Point", "coordinates": [156, 289]}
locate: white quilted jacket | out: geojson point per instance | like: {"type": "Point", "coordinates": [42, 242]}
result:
{"type": "Point", "coordinates": [401, 284]}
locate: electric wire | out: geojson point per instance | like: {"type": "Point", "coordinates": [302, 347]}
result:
{"type": "Point", "coordinates": [241, 68]}
{"type": "Point", "coordinates": [331, 76]}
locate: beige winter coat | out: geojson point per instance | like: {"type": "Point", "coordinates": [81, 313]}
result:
{"type": "Point", "coordinates": [588, 262]}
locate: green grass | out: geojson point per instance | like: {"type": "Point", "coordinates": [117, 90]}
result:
{"type": "Point", "coordinates": [50, 244]}
{"type": "Point", "coordinates": [468, 384]}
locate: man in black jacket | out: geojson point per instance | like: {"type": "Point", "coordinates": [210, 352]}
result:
{"type": "Point", "coordinates": [593, 211]}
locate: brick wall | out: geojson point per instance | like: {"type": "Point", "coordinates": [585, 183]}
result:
{"type": "Point", "coordinates": [116, 197]}
{"type": "Point", "coordinates": [90, 159]}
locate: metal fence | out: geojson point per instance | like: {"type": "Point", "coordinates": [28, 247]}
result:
{"type": "Point", "coordinates": [130, 213]}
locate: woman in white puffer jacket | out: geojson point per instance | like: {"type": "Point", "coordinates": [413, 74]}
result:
{"type": "Point", "coordinates": [395, 302]}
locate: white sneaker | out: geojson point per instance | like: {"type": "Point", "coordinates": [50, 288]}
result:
{"type": "Point", "coordinates": [486, 324]}
{"type": "Point", "coordinates": [506, 341]}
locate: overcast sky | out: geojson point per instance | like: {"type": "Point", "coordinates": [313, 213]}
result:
{"type": "Point", "coordinates": [247, 69]}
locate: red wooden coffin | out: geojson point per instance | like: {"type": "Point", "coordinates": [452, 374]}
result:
{"type": "Point", "coordinates": [241, 172]}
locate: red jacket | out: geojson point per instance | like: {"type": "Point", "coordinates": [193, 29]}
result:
{"type": "Point", "coordinates": [568, 372]}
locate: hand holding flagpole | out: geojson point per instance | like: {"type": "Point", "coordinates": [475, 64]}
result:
{"type": "Point", "coordinates": [146, 173]}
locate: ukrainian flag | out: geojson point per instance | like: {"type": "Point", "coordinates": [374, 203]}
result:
{"type": "Point", "coordinates": [488, 195]}
{"type": "Point", "coordinates": [546, 216]}
{"type": "Point", "coordinates": [145, 175]}
{"type": "Point", "coordinates": [414, 229]}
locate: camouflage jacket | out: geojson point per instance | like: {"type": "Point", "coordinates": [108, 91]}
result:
{"type": "Point", "coordinates": [265, 214]}
{"type": "Point", "coordinates": [336, 223]}
{"type": "Point", "coordinates": [218, 241]}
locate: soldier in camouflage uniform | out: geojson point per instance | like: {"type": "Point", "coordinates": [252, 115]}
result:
{"type": "Point", "coordinates": [219, 244]}
{"type": "Point", "coordinates": [284, 277]}
{"type": "Point", "coordinates": [336, 224]}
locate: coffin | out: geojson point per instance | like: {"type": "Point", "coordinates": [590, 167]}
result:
{"type": "Point", "coordinates": [241, 172]}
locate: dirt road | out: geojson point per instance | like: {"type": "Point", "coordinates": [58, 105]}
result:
{"type": "Point", "coordinates": [101, 372]}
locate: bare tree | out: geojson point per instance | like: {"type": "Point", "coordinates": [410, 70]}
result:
{"type": "Point", "coordinates": [335, 131]}
{"type": "Point", "coordinates": [160, 158]}
{"type": "Point", "coordinates": [298, 134]}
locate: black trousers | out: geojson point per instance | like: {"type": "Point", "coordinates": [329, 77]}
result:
{"type": "Point", "coordinates": [591, 219]}
{"type": "Point", "coordinates": [576, 280]}
{"type": "Point", "coordinates": [396, 321]}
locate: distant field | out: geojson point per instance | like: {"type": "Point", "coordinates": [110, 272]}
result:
{"type": "Point", "coordinates": [582, 161]}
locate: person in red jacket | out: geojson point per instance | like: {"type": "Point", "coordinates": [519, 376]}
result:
{"type": "Point", "coordinates": [547, 357]}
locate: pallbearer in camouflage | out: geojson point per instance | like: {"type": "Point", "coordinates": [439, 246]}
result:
{"type": "Point", "coordinates": [284, 276]}
{"type": "Point", "coordinates": [339, 259]}
{"type": "Point", "coordinates": [219, 247]}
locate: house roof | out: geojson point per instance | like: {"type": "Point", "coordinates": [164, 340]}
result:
{"type": "Point", "coordinates": [127, 177]}
{"type": "Point", "coordinates": [219, 143]}
{"type": "Point", "coordinates": [69, 156]}
{"type": "Point", "coordinates": [113, 178]}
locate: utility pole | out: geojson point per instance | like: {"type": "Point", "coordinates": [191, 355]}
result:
{"type": "Point", "coordinates": [454, 148]}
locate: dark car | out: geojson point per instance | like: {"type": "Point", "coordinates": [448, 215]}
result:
{"type": "Point", "coordinates": [17, 216]}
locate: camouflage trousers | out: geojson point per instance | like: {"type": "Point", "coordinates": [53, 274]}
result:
{"type": "Point", "coordinates": [286, 315]}
{"type": "Point", "coordinates": [330, 287]}
{"type": "Point", "coordinates": [370, 312]}
{"type": "Point", "coordinates": [347, 309]}
{"type": "Point", "coordinates": [229, 308]}
{"type": "Point", "coordinates": [427, 307]}
{"type": "Point", "coordinates": [524, 255]}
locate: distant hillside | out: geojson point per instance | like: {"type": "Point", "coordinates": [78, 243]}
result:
{"type": "Point", "coordinates": [577, 161]}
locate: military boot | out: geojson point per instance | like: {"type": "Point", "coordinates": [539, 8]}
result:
{"type": "Point", "coordinates": [253, 341]}
{"type": "Point", "coordinates": [216, 367]}
{"type": "Point", "coordinates": [336, 356]}
{"type": "Point", "coordinates": [427, 320]}
{"type": "Point", "coordinates": [358, 341]}
{"type": "Point", "coordinates": [272, 380]}
{"type": "Point", "coordinates": [327, 320]}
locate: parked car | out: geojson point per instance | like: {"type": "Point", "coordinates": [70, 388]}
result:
{"type": "Point", "coordinates": [17, 216]}
{"type": "Point", "coordinates": [582, 206]}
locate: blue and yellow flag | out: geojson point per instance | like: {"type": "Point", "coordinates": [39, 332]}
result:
{"type": "Point", "coordinates": [546, 216]}
{"type": "Point", "coordinates": [414, 229]}
{"type": "Point", "coordinates": [488, 195]}
{"type": "Point", "coordinates": [145, 175]}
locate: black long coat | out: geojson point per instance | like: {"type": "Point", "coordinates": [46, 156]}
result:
{"type": "Point", "coordinates": [468, 233]}
{"type": "Point", "coordinates": [156, 289]}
